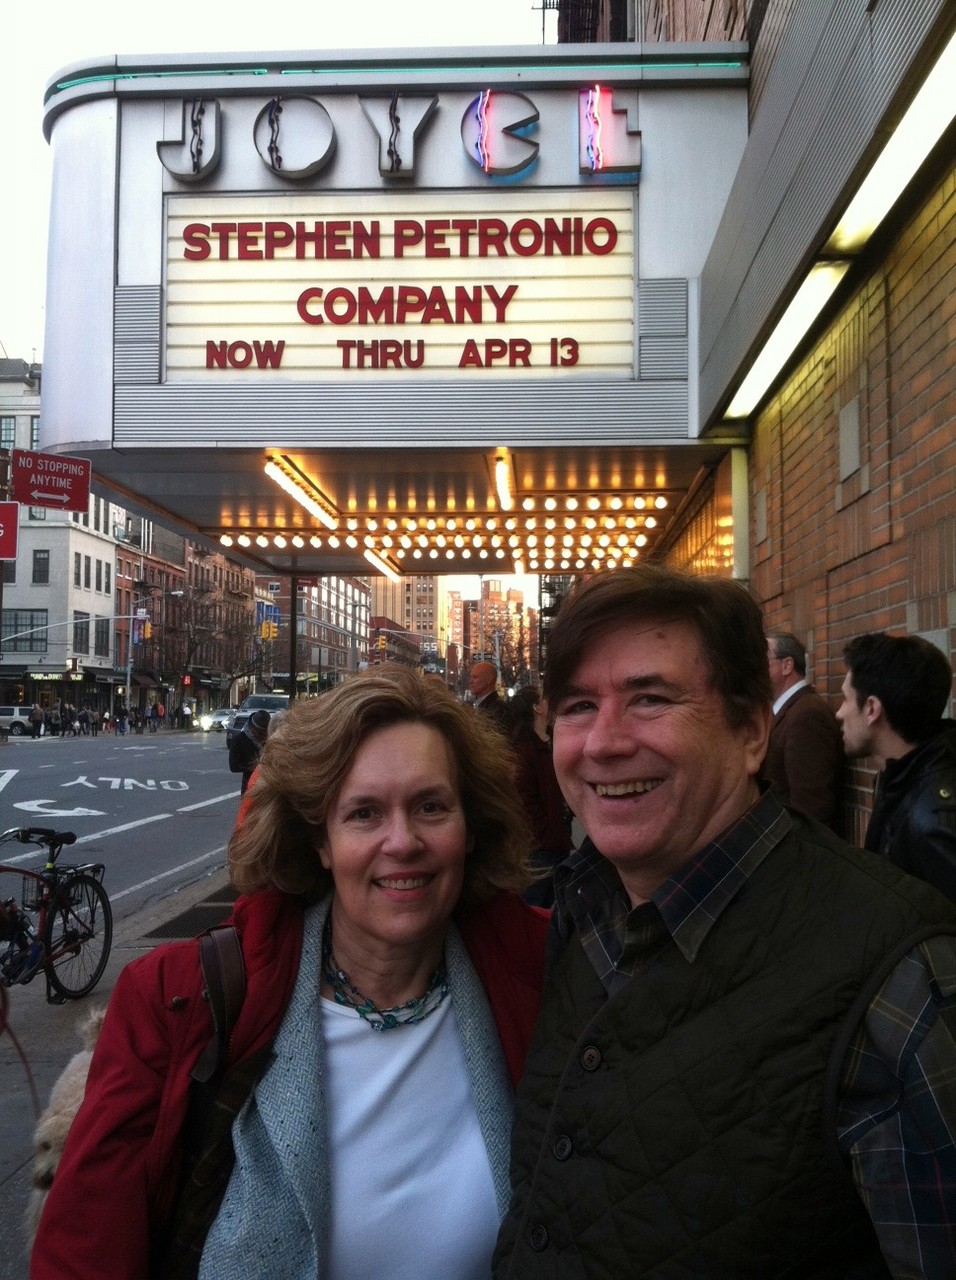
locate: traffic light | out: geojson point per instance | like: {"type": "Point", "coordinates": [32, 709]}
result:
{"type": "Point", "coordinates": [382, 640]}
{"type": "Point", "coordinates": [147, 630]}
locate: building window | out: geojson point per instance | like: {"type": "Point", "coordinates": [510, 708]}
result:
{"type": "Point", "coordinates": [9, 572]}
{"type": "Point", "coordinates": [41, 568]}
{"type": "Point", "coordinates": [101, 637]}
{"type": "Point", "coordinates": [81, 633]}
{"type": "Point", "coordinates": [99, 575]}
{"type": "Point", "coordinates": [87, 572]}
{"type": "Point", "coordinates": [37, 513]}
{"type": "Point", "coordinates": [107, 578]}
{"type": "Point", "coordinates": [8, 431]}
{"type": "Point", "coordinates": [35, 431]}
{"type": "Point", "coordinates": [30, 628]}
{"type": "Point", "coordinates": [77, 563]}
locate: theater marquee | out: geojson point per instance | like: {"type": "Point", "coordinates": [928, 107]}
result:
{"type": "Point", "coordinates": [379, 253]}
{"type": "Point", "coordinates": [434, 285]}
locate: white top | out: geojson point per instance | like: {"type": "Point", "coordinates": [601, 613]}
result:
{"type": "Point", "coordinates": [410, 1176]}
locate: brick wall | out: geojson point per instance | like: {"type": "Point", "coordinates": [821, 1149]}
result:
{"type": "Point", "coordinates": [853, 467]}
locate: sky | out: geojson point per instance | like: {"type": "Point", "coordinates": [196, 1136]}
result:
{"type": "Point", "coordinates": [65, 31]}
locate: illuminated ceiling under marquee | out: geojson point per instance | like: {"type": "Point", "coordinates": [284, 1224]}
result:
{"type": "Point", "coordinates": [572, 510]}
{"type": "Point", "coordinates": [385, 318]}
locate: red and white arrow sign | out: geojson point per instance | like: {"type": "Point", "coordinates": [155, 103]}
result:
{"type": "Point", "coordinates": [51, 480]}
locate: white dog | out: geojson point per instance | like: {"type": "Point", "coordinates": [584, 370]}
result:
{"type": "Point", "coordinates": [53, 1125]}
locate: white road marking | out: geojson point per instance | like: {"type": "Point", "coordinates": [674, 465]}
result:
{"type": "Point", "coordinates": [157, 817]}
{"type": "Point", "coordinates": [163, 875]}
{"type": "Point", "coordinates": [127, 826]}
{"type": "Point", "coordinates": [201, 804]}
{"type": "Point", "coordinates": [40, 806]}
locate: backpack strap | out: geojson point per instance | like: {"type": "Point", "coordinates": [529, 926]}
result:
{"type": "Point", "coordinates": [216, 1097]}
{"type": "Point", "coordinates": [224, 974]}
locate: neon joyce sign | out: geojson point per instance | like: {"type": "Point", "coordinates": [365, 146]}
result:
{"type": "Point", "coordinates": [296, 138]}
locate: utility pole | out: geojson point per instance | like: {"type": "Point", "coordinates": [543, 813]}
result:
{"type": "Point", "coordinates": [293, 632]}
{"type": "Point", "coordinates": [4, 496]}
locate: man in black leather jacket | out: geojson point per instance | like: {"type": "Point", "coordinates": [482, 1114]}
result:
{"type": "Point", "coordinates": [894, 694]}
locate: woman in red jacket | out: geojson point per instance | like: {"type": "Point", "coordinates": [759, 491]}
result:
{"type": "Point", "coordinates": [392, 978]}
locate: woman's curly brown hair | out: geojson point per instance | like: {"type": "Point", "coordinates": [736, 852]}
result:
{"type": "Point", "coordinates": [303, 766]}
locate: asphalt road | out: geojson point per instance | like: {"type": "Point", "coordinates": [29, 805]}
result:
{"type": "Point", "coordinates": [157, 810]}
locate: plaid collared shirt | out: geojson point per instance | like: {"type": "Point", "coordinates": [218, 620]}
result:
{"type": "Point", "coordinates": [896, 1119]}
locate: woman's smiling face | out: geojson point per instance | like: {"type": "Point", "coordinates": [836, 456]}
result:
{"type": "Point", "coordinates": [645, 755]}
{"type": "Point", "coordinates": [396, 842]}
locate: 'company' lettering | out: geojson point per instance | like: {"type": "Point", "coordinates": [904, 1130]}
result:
{"type": "Point", "coordinates": [404, 304]}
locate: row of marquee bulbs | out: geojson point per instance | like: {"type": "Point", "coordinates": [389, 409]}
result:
{"type": "Point", "coordinates": [452, 526]}
{"type": "Point", "coordinates": [407, 543]}
{"type": "Point", "coordinates": [570, 553]}
{"type": "Point", "coordinates": [587, 554]}
{"type": "Point", "coordinates": [584, 534]}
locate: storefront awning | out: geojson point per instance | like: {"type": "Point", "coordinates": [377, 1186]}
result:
{"type": "Point", "coordinates": [144, 682]}
{"type": "Point", "coordinates": [104, 675]}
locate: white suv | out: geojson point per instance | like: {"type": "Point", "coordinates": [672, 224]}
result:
{"type": "Point", "coordinates": [16, 720]}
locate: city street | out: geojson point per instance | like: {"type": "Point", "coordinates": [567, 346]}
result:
{"type": "Point", "coordinates": [157, 810]}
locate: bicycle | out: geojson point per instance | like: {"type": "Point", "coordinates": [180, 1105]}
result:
{"type": "Point", "coordinates": [63, 924]}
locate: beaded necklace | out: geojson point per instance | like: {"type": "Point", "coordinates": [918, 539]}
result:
{"type": "Point", "coordinates": [346, 993]}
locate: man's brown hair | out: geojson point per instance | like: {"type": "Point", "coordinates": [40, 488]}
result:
{"type": "Point", "coordinates": [722, 612]}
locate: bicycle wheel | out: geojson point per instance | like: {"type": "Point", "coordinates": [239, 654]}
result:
{"type": "Point", "coordinates": [78, 936]}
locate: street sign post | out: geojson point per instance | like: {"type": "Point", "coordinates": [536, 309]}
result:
{"type": "Point", "coordinates": [9, 525]}
{"type": "Point", "coordinates": [51, 480]}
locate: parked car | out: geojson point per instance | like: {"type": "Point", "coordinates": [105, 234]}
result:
{"type": "Point", "coordinates": [218, 720]}
{"type": "Point", "coordinates": [16, 720]}
{"type": "Point", "coordinates": [271, 702]}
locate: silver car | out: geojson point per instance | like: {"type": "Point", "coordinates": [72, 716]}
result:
{"type": "Point", "coordinates": [16, 720]}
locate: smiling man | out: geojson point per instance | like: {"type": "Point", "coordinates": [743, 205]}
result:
{"type": "Point", "coordinates": [746, 1022]}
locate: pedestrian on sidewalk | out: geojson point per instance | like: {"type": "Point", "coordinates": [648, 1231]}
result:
{"type": "Point", "coordinates": [246, 746]}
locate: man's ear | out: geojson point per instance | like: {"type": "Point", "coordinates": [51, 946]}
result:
{"type": "Point", "coordinates": [756, 732]}
{"type": "Point", "coordinates": [872, 710]}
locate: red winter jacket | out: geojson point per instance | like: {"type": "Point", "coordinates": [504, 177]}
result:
{"type": "Point", "coordinates": [118, 1177]}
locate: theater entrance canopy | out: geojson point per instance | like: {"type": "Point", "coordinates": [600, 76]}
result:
{"type": "Point", "coordinates": [422, 312]}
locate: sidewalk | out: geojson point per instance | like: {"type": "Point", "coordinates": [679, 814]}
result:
{"type": "Point", "coordinates": [48, 1036]}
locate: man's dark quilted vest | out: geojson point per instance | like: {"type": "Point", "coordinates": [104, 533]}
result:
{"type": "Point", "coordinates": [681, 1129]}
